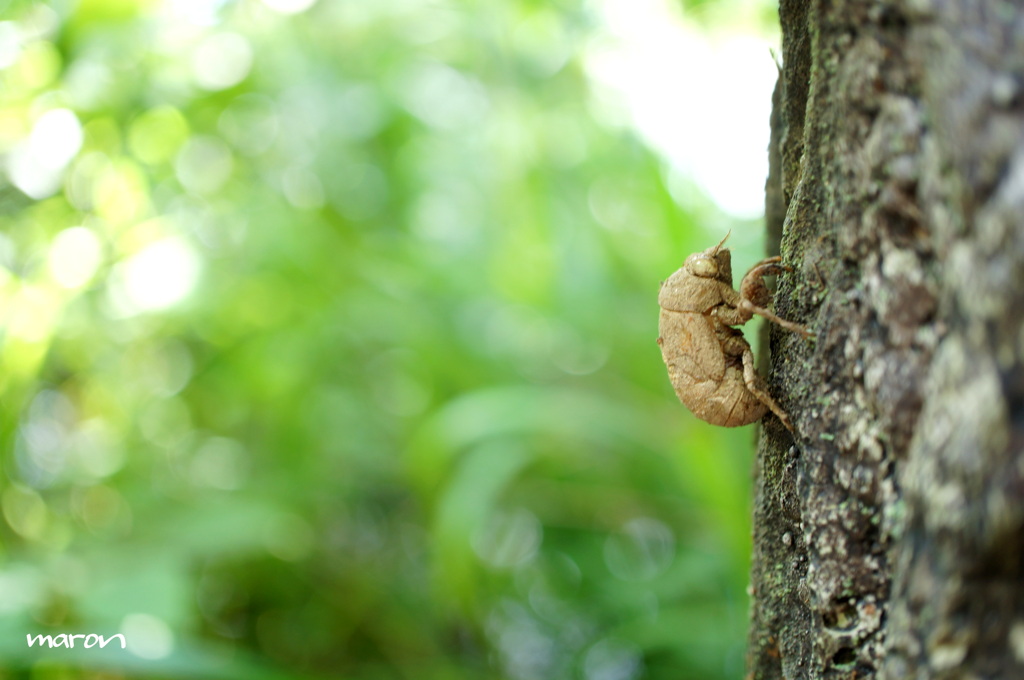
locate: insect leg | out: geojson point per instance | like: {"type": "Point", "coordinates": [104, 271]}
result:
{"type": "Point", "coordinates": [754, 294]}
{"type": "Point", "coordinates": [771, 316]}
{"type": "Point", "coordinates": [756, 387]}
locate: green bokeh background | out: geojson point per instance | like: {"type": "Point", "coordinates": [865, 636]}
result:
{"type": "Point", "coordinates": [411, 420]}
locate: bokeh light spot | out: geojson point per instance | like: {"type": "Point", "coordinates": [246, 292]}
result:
{"type": "Point", "coordinates": [35, 166]}
{"type": "Point", "coordinates": [75, 254]}
{"type": "Point", "coordinates": [10, 43]}
{"type": "Point", "coordinates": [56, 138]}
{"type": "Point", "coordinates": [37, 66]}
{"type": "Point", "coordinates": [31, 314]}
{"type": "Point", "coordinates": [157, 134]}
{"type": "Point", "coordinates": [159, 276]}
{"type": "Point", "coordinates": [302, 188]}
{"type": "Point", "coordinates": [147, 636]}
{"type": "Point", "coordinates": [643, 549]}
{"type": "Point", "coordinates": [250, 123]}
{"type": "Point", "coordinates": [220, 463]}
{"type": "Point", "coordinates": [221, 60]}
{"type": "Point", "coordinates": [442, 96]}
{"type": "Point", "coordinates": [509, 539]}
{"type": "Point", "coordinates": [95, 448]}
{"type": "Point", "coordinates": [613, 660]}
{"type": "Point", "coordinates": [24, 511]}
{"type": "Point", "coordinates": [204, 165]}
{"type": "Point", "coordinates": [289, 6]}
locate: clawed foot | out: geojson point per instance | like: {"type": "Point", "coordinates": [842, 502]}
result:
{"type": "Point", "coordinates": [754, 294]}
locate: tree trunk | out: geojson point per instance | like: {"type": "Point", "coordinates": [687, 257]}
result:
{"type": "Point", "coordinates": [889, 529]}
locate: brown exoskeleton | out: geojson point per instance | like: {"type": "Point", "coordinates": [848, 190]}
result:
{"type": "Point", "coordinates": [709, 362]}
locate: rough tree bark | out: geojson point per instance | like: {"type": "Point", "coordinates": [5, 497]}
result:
{"type": "Point", "coordinates": [889, 530]}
